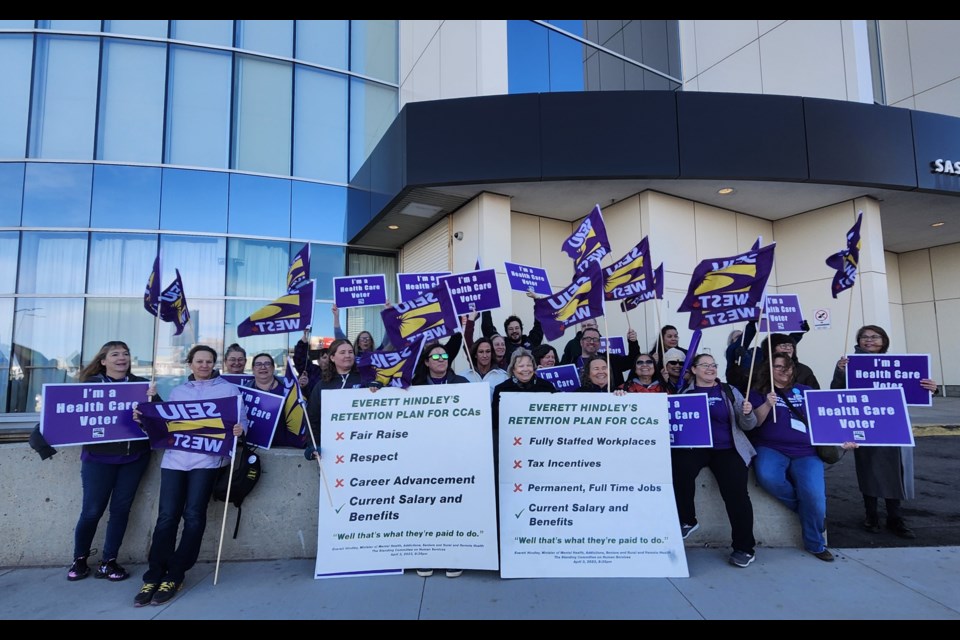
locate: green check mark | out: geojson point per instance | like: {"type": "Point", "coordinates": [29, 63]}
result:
{"type": "Point", "coordinates": [341, 507]}
{"type": "Point", "coordinates": [521, 512]}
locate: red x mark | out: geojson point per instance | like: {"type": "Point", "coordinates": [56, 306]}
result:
{"type": "Point", "coordinates": [518, 488]}
{"type": "Point", "coordinates": [339, 435]}
{"type": "Point", "coordinates": [339, 459]}
{"type": "Point", "coordinates": [339, 483]}
{"type": "Point", "coordinates": [517, 442]}
{"type": "Point", "coordinates": [517, 464]}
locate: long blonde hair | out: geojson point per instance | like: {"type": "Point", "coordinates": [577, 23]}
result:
{"type": "Point", "coordinates": [96, 366]}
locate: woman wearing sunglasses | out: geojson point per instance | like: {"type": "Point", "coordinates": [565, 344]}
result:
{"type": "Point", "coordinates": [644, 378]}
{"type": "Point", "coordinates": [434, 368]}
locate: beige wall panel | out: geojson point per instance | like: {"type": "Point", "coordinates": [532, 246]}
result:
{"type": "Point", "coordinates": [492, 57]}
{"type": "Point", "coordinates": [872, 289]}
{"type": "Point", "coordinates": [947, 313]}
{"type": "Point", "coordinates": [804, 58]}
{"type": "Point", "coordinates": [804, 241]}
{"type": "Point", "coordinates": [558, 265]}
{"type": "Point", "coordinates": [423, 81]}
{"type": "Point", "coordinates": [688, 51]}
{"type": "Point", "coordinates": [764, 26]}
{"type": "Point", "coordinates": [716, 40]}
{"type": "Point", "coordinates": [893, 277]}
{"type": "Point", "coordinates": [933, 56]}
{"type": "Point", "coordinates": [944, 98]}
{"type": "Point", "coordinates": [922, 335]}
{"type": "Point", "coordinates": [896, 60]}
{"type": "Point", "coordinates": [458, 58]}
{"type": "Point", "coordinates": [466, 220]}
{"type": "Point", "coordinates": [739, 72]}
{"type": "Point", "coordinates": [945, 262]}
{"type": "Point", "coordinates": [916, 280]}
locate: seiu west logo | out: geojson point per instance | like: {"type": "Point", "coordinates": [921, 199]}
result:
{"type": "Point", "coordinates": [574, 303]}
{"type": "Point", "coordinates": [188, 410]}
{"type": "Point", "coordinates": [419, 316]}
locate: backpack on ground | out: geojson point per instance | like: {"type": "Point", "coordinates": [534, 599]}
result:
{"type": "Point", "coordinates": [246, 473]}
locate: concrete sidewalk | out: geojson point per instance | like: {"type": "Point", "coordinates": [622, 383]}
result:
{"type": "Point", "coordinates": [782, 584]}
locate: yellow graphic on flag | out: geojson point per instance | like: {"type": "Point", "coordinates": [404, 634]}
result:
{"type": "Point", "coordinates": [577, 300]}
{"type": "Point", "coordinates": [179, 426]}
{"type": "Point", "coordinates": [624, 275]}
{"type": "Point", "coordinates": [733, 279]}
{"type": "Point", "coordinates": [413, 321]}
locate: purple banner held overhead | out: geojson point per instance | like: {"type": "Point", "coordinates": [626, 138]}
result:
{"type": "Point", "coordinates": [782, 313]}
{"type": "Point", "coordinates": [564, 377]}
{"type": "Point", "coordinates": [263, 413]}
{"type": "Point", "coordinates": [524, 278]}
{"type": "Point", "coordinates": [869, 417]}
{"type": "Point", "coordinates": [473, 291]}
{"type": "Point", "coordinates": [690, 421]}
{"type": "Point", "coordinates": [197, 426]}
{"type": "Point", "coordinates": [411, 285]}
{"type": "Point", "coordinates": [889, 370]}
{"type": "Point", "coordinates": [618, 347]}
{"type": "Point", "coordinates": [91, 413]}
{"type": "Point", "coordinates": [360, 291]}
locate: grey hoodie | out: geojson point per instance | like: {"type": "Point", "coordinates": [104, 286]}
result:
{"type": "Point", "coordinates": [200, 390]}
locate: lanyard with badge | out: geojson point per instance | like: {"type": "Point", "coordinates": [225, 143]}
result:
{"type": "Point", "coordinates": [798, 421]}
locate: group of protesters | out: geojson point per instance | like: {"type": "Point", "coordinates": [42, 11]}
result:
{"type": "Point", "coordinates": [763, 425]}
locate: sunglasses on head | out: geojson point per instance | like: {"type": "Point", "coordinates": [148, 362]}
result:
{"type": "Point", "coordinates": [439, 356]}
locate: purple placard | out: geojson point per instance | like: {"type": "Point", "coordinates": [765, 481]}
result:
{"type": "Point", "coordinates": [197, 426]}
{"type": "Point", "coordinates": [690, 421]}
{"type": "Point", "coordinates": [564, 377]}
{"type": "Point", "coordinates": [524, 278]}
{"type": "Point", "coordinates": [782, 313]}
{"type": "Point", "coordinates": [360, 291]}
{"type": "Point", "coordinates": [473, 291]}
{"type": "Point", "coordinates": [618, 346]}
{"type": "Point", "coordinates": [237, 378]}
{"type": "Point", "coordinates": [263, 413]}
{"type": "Point", "coordinates": [869, 417]}
{"type": "Point", "coordinates": [91, 413]}
{"type": "Point", "coordinates": [411, 285]}
{"type": "Point", "coordinates": [891, 370]}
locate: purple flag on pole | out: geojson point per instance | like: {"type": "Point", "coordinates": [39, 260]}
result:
{"type": "Point", "coordinates": [656, 292]}
{"type": "Point", "coordinates": [631, 276]}
{"type": "Point", "coordinates": [430, 315]}
{"type": "Point", "coordinates": [198, 427]}
{"type": "Point", "coordinates": [589, 242]}
{"type": "Point", "coordinates": [173, 305]}
{"type": "Point", "coordinates": [299, 272]}
{"type": "Point", "coordinates": [151, 296]}
{"type": "Point", "coordinates": [390, 368]}
{"type": "Point", "coordinates": [581, 300]}
{"type": "Point", "coordinates": [292, 429]}
{"type": "Point", "coordinates": [287, 314]}
{"type": "Point", "coordinates": [725, 290]}
{"type": "Point", "coordinates": [846, 261]}
{"type": "Point", "coordinates": [691, 352]}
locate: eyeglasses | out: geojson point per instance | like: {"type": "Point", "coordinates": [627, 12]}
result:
{"type": "Point", "coordinates": [675, 362]}
{"type": "Point", "coordinates": [707, 365]}
{"type": "Point", "coordinates": [780, 367]}
{"type": "Point", "coordinates": [439, 356]}
{"type": "Point", "coordinates": [262, 365]}
{"type": "Point", "coordinates": [644, 363]}
{"type": "Point", "coordinates": [590, 339]}
{"type": "Point", "coordinates": [872, 338]}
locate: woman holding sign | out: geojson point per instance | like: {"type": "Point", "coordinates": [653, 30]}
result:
{"type": "Point", "coordinates": [341, 373]}
{"type": "Point", "coordinates": [787, 465]}
{"type": "Point", "coordinates": [882, 472]}
{"type": "Point", "coordinates": [729, 457]}
{"type": "Point", "coordinates": [186, 484]}
{"type": "Point", "coordinates": [110, 473]}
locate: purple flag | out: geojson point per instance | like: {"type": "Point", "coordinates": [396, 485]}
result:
{"type": "Point", "coordinates": [173, 305]}
{"type": "Point", "coordinates": [287, 314]}
{"type": "Point", "coordinates": [581, 300]}
{"type": "Point", "coordinates": [199, 427]}
{"type": "Point", "coordinates": [650, 294]}
{"type": "Point", "coordinates": [390, 368]}
{"type": "Point", "coordinates": [691, 352]}
{"type": "Point", "coordinates": [299, 272]}
{"type": "Point", "coordinates": [151, 297]}
{"type": "Point", "coordinates": [292, 429]}
{"type": "Point", "coordinates": [589, 242]}
{"type": "Point", "coordinates": [725, 290]}
{"type": "Point", "coordinates": [430, 316]}
{"type": "Point", "coordinates": [631, 276]}
{"type": "Point", "coordinates": [846, 261]}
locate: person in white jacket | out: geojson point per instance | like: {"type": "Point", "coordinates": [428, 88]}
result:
{"type": "Point", "coordinates": [186, 484]}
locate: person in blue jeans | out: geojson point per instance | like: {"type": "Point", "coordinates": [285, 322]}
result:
{"type": "Point", "coordinates": [110, 473]}
{"type": "Point", "coordinates": [787, 465]}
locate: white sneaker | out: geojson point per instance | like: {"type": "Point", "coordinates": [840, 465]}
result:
{"type": "Point", "coordinates": [424, 573]}
{"type": "Point", "coordinates": [454, 573]}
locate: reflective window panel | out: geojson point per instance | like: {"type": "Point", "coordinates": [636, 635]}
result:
{"type": "Point", "coordinates": [257, 268]}
{"type": "Point", "coordinates": [326, 263]}
{"type": "Point", "coordinates": [320, 126]}
{"type": "Point", "coordinates": [11, 193]}
{"type": "Point", "coordinates": [194, 200]}
{"type": "Point", "coordinates": [373, 49]}
{"type": "Point", "coordinates": [6, 352]}
{"type": "Point", "coordinates": [318, 212]}
{"type": "Point", "coordinates": [9, 250]}
{"type": "Point", "coordinates": [16, 51]}
{"type": "Point", "coordinates": [274, 37]}
{"type": "Point", "coordinates": [198, 112]}
{"type": "Point", "coordinates": [120, 263]}
{"type": "Point", "coordinates": [124, 319]}
{"type": "Point", "coordinates": [205, 327]}
{"type": "Point", "coordinates": [373, 108]}
{"type": "Point", "coordinates": [70, 25]}
{"type": "Point", "coordinates": [201, 261]}
{"type": "Point", "coordinates": [219, 32]}
{"type": "Point", "coordinates": [323, 42]}
{"type": "Point", "coordinates": [53, 262]}
{"type": "Point", "coordinates": [151, 28]}
{"type": "Point", "coordinates": [57, 195]}
{"type": "Point", "coordinates": [259, 206]}
{"type": "Point", "coordinates": [263, 109]}
{"type": "Point", "coordinates": [125, 197]}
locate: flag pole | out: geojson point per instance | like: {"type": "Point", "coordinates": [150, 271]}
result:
{"type": "Point", "coordinates": [313, 440]}
{"type": "Point", "coordinates": [769, 355]}
{"type": "Point", "coordinates": [156, 347]}
{"type": "Point", "coordinates": [753, 355]}
{"type": "Point", "coordinates": [846, 334]}
{"type": "Point", "coordinates": [226, 507]}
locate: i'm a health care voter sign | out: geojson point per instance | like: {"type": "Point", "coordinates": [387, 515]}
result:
{"type": "Point", "coordinates": [410, 480]}
{"type": "Point", "coordinates": [91, 413]}
{"type": "Point", "coordinates": [586, 488]}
